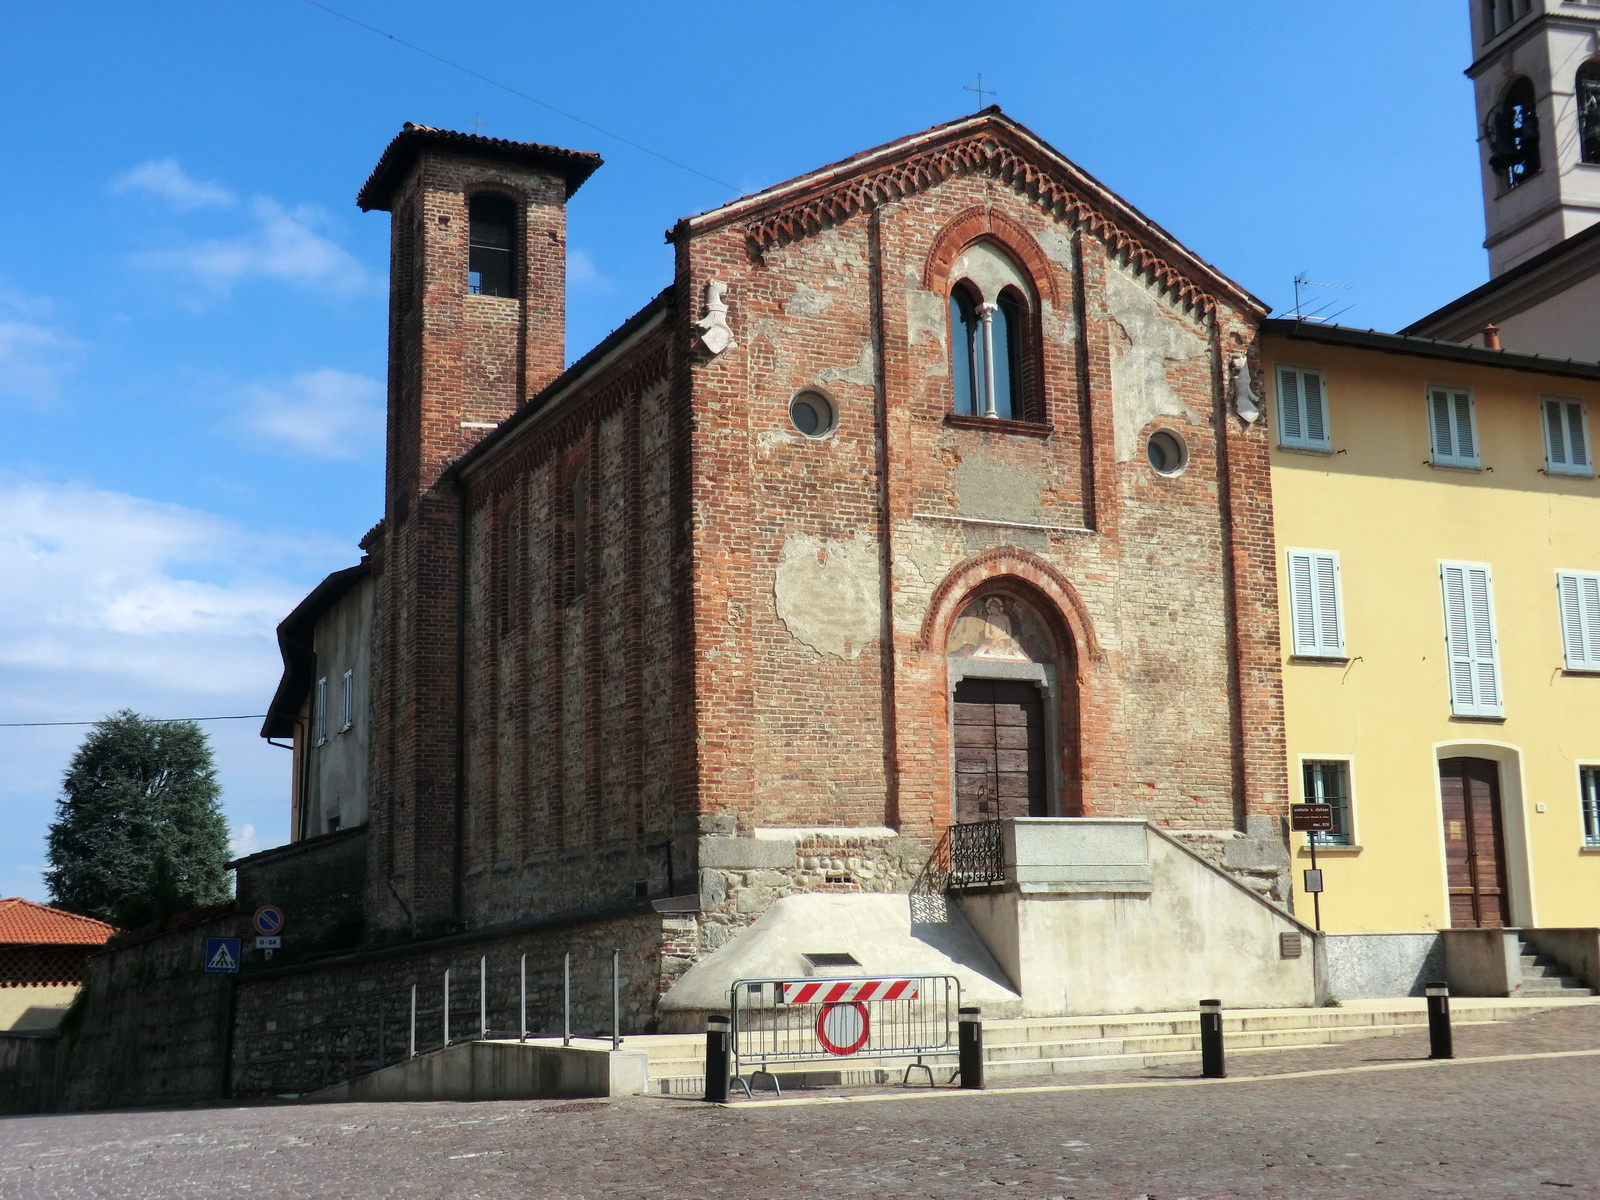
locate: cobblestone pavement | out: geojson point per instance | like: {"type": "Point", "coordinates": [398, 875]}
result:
{"type": "Point", "coordinates": [1527, 1128]}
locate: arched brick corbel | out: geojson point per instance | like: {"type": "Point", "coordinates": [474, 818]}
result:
{"type": "Point", "coordinates": [1032, 579]}
{"type": "Point", "coordinates": [980, 223]}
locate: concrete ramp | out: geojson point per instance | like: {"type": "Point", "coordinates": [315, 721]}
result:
{"type": "Point", "coordinates": [878, 930]}
{"type": "Point", "coordinates": [538, 1069]}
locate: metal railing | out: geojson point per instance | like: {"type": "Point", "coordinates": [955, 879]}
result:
{"type": "Point", "coordinates": [380, 1028]}
{"type": "Point", "coordinates": [824, 1019]}
{"type": "Point", "coordinates": [977, 854]}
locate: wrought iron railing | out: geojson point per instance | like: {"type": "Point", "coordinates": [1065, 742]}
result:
{"type": "Point", "coordinates": [977, 854]}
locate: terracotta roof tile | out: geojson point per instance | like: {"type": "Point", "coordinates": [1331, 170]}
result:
{"type": "Point", "coordinates": [378, 191]}
{"type": "Point", "coordinates": [23, 921]}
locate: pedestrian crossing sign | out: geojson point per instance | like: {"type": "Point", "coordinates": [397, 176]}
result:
{"type": "Point", "coordinates": [223, 953]}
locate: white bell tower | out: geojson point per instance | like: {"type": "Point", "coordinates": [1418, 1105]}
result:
{"type": "Point", "coordinates": [1536, 75]}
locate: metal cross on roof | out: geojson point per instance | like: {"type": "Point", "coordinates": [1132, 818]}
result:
{"type": "Point", "coordinates": [477, 121]}
{"type": "Point", "coordinates": [981, 90]}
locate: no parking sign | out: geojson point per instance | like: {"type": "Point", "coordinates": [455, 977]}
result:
{"type": "Point", "coordinates": [268, 920]}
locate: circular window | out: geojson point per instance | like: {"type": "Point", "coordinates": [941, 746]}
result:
{"type": "Point", "coordinates": [1167, 453]}
{"type": "Point", "coordinates": [812, 414]}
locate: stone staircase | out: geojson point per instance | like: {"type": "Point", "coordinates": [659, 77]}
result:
{"type": "Point", "coordinates": [1063, 1046]}
{"type": "Point", "coordinates": [1544, 976]}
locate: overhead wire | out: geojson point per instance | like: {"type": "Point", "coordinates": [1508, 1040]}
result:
{"type": "Point", "coordinates": [154, 720]}
{"type": "Point", "coordinates": [521, 95]}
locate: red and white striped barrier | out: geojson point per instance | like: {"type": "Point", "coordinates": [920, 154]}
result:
{"type": "Point", "coordinates": [842, 991]}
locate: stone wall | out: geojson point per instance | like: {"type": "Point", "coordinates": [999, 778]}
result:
{"type": "Point", "coordinates": [299, 1029]}
{"type": "Point", "coordinates": [318, 883]}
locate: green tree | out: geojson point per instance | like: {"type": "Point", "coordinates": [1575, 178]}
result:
{"type": "Point", "coordinates": [139, 834]}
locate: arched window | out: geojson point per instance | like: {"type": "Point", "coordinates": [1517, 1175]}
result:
{"type": "Point", "coordinates": [966, 351]}
{"type": "Point", "coordinates": [1588, 89]}
{"type": "Point", "coordinates": [989, 321]}
{"type": "Point", "coordinates": [492, 220]}
{"type": "Point", "coordinates": [1512, 132]}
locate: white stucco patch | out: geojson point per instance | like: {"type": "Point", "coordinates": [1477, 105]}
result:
{"type": "Point", "coordinates": [828, 593]}
{"type": "Point", "coordinates": [927, 315]}
{"type": "Point", "coordinates": [862, 373]}
{"type": "Point", "coordinates": [807, 303]}
{"type": "Point", "coordinates": [990, 270]}
{"type": "Point", "coordinates": [1154, 336]}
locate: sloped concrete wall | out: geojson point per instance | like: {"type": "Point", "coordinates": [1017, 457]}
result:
{"type": "Point", "coordinates": [502, 1071]}
{"type": "Point", "coordinates": [1132, 940]}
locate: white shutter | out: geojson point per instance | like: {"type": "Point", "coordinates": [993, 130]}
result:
{"type": "Point", "coordinates": [1578, 595]}
{"type": "Point", "coordinates": [1302, 409]}
{"type": "Point", "coordinates": [319, 711]}
{"type": "Point", "coordinates": [1452, 427]}
{"type": "Point", "coordinates": [349, 700]}
{"type": "Point", "coordinates": [1316, 616]}
{"type": "Point", "coordinates": [1470, 640]}
{"type": "Point", "coordinates": [1566, 437]}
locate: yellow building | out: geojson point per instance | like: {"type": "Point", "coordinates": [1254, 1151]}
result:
{"type": "Point", "coordinates": [1438, 525]}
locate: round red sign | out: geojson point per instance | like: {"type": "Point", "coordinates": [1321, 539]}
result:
{"type": "Point", "coordinates": [843, 1028]}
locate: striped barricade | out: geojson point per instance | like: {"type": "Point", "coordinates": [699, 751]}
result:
{"type": "Point", "coordinates": [834, 1020]}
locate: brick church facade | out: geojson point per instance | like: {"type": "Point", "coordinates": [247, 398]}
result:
{"type": "Point", "coordinates": [920, 496]}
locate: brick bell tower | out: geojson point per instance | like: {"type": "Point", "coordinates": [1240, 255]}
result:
{"type": "Point", "coordinates": [477, 323]}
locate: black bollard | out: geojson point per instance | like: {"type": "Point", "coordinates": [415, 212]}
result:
{"type": "Point", "coordinates": [1441, 1044]}
{"type": "Point", "coordinates": [717, 1058]}
{"type": "Point", "coordinates": [969, 1047]}
{"type": "Point", "coordinates": [1211, 1064]}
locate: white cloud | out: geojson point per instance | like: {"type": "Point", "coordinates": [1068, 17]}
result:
{"type": "Point", "coordinates": [282, 245]}
{"type": "Point", "coordinates": [111, 601]}
{"type": "Point", "coordinates": [584, 276]}
{"type": "Point", "coordinates": [120, 586]}
{"type": "Point", "coordinates": [243, 841]}
{"type": "Point", "coordinates": [328, 413]}
{"type": "Point", "coordinates": [166, 180]}
{"type": "Point", "coordinates": [34, 356]}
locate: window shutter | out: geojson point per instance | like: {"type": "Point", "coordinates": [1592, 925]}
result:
{"type": "Point", "coordinates": [1469, 636]}
{"type": "Point", "coordinates": [1290, 423]}
{"type": "Point", "coordinates": [1466, 439]}
{"type": "Point", "coordinates": [1302, 409]}
{"type": "Point", "coordinates": [1315, 616]}
{"type": "Point", "coordinates": [1454, 435]}
{"type": "Point", "coordinates": [1566, 437]}
{"type": "Point", "coordinates": [1578, 593]}
{"type": "Point", "coordinates": [1316, 417]}
{"type": "Point", "coordinates": [1443, 444]}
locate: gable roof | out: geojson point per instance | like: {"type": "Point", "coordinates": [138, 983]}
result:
{"type": "Point", "coordinates": [22, 922]}
{"type": "Point", "coordinates": [986, 141]}
{"type": "Point", "coordinates": [1413, 346]}
{"type": "Point", "coordinates": [295, 634]}
{"type": "Point", "coordinates": [378, 192]}
{"type": "Point", "coordinates": [1548, 273]}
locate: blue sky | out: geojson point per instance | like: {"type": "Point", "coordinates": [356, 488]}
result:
{"type": "Point", "coordinates": [192, 308]}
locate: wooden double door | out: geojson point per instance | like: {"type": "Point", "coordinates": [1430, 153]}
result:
{"type": "Point", "coordinates": [1474, 842]}
{"type": "Point", "coordinates": [1000, 750]}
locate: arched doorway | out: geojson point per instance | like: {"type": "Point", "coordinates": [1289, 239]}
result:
{"type": "Point", "coordinates": [1013, 711]}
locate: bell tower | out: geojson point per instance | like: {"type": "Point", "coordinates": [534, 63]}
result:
{"type": "Point", "coordinates": [1536, 80]}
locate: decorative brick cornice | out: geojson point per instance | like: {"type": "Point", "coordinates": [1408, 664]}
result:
{"type": "Point", "coordinates": [1053, 187]}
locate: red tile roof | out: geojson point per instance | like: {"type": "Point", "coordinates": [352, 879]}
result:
{"type": "Point", "coordinates": [378, 191]}
{"type": "Point", "coordinates": [23, 921]}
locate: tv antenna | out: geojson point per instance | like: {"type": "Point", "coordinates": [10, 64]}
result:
{"type": "Point", "coordinates": [1319, 314]}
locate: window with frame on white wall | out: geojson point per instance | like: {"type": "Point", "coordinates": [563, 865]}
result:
{"type": "Point", "coordinates": [1452, 427]}
{"type": "Point", "coordinates": [347, 696]}
{"type": "Point", "coordinates": [1303, 409]}
{"type": "Point", "coordinates": [319, 712]}
{"type": "Point", "coordinates": [1578, 599]}
{"type": "Point", "coordinates": [1327, 781]}
{"type": "Point", "coordinates": [1474, 663]}
{"type": "Point", "coordinates": [1566, 437]}
{"type": "Point", "coordinates": [1589, 799]}
{"type": "Point", "coordinates": [1316, 612]}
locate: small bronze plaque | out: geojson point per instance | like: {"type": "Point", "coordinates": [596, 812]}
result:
{"type": "Point", "coordinates": [1290, 945]}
